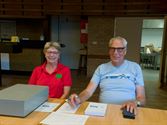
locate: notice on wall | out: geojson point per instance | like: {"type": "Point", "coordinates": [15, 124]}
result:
{"type": "Point", "coordinates": [4, 61]}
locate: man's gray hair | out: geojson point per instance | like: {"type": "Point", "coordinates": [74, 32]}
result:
{"type": "Point", "coordinates": [118, 38]}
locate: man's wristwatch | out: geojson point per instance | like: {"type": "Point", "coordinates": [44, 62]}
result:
{"type": "Point", "coordinates": [138, 103]}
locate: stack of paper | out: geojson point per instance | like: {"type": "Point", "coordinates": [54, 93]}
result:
{"type": "Point", "coordinates": [96, 109]}
{"type": "Point", "coordinates": [64, 119]}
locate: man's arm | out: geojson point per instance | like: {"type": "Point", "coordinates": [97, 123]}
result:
{"type": "Point", "coordinates": [84, 95]}
{"type": "Point", "coordinates": [140, 97]}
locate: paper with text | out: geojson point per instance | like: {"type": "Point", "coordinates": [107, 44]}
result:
{"type": "Point", "coordinates": [47, 107]}
{"type": "Point", "coordinates": [96, 109]}
{"type": "Point", "coordinates": [56, 118]}
{"type": "Point", "coordinates": [66, 108]}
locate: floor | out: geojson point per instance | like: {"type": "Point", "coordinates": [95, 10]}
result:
{"type": "Point", "coordinates": [156, 98]}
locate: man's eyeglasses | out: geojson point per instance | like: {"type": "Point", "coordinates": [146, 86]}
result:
{"type": "Point", "coordinates": [119, 49]}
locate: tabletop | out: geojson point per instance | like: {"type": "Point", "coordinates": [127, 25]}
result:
{"type": "Point", "coordinates": [113, 116]}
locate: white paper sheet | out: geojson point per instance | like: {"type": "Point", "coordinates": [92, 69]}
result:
{"type": "Point", "coordinates": [56, 118]}
{"type": "Point", "coordinates": [66, 108]}
{"type": "Point", "coordinates": [96, 109]}
{"type": "Point", "coordinates": [47, 107]}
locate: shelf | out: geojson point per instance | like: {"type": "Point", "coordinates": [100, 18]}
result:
{"type": "Point", "coordinates": [36, 44]}
{"type": "Point", "coordinates": [10, 47]}
{"type": "Point", "coordinates": [16, 47]}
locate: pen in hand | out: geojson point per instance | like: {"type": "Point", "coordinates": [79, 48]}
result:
{"type": "Point", "coordinates": [73, 100]}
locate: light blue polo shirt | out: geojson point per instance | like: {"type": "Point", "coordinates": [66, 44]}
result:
{"type": "Point", "coordinates": [118, 84]}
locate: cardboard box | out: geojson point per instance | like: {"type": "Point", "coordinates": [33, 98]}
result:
{"type": "Point", "coordinates": [22, 99]}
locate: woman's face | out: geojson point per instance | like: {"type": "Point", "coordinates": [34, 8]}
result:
{"type": "Point", "coordinates": [52, 55]}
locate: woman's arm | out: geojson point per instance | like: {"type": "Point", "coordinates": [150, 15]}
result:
{"type": "Point", "coordinates": [66, 92]}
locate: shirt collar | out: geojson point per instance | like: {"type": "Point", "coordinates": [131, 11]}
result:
{"type": "Point", "coordinates": [59, 66]}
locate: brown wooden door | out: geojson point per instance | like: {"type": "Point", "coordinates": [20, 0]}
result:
{"type": "Point", "coordinates": [163, 69]}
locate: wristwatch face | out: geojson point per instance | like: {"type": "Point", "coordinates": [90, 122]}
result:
{"type": "Point", "coordinates": [138, 103]}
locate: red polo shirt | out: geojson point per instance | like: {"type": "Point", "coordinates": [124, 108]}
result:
{"type": "Point", "coordinates": [56, 81]}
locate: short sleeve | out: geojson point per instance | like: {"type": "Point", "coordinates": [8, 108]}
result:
{"type": "Point", "coordinates": [67, 77]}
{"type": "Point", "coordinates": [34, 76]}
{"type": "Point", "coordinates": [96, 76]}
{"type": "Point", "coordinates": [139, 76]}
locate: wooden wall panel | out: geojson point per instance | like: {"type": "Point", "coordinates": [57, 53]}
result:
{"type": "Point", "coordinates": [33, 1]}
{"type": "Point", "coordinates": [130, 28]}
{"type": "Point", "coordinates": [13, 9]}
{"type": "Point", "coordinates": [71, 1]}
{"type": "Point", "coordinates": [53, 7]}
{"type": "Point", "coordinates": [71, 7]}
{"type": "Point", "coordinates": [1, 8]}
{"type": "Point", "coordinates": [14, 1]}
{"type": "Point", "coordinates": [22, 8]}
{"type": "Point", "coordinates": [10, 7]}
{"type": "Point", "coordinates": [42, 8]}
{"type": "Point", "coordinates": [27, 60]}
{"type": "Point", "coordinates": [93, 63]}
{"type": "Point", "coordinates": [98, 42]}
{"type": "Point", "coordinates": [114, 1]}
{"type": "Point", "coordinates": [29, 29]}
{"type": "Point", "coordinates": [89, 1]}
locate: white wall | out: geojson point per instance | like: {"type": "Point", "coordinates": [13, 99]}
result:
{"type": "Point", "coordinates": [152, 32]}
{"type": "Point", "coordinates": [68, 34]}
{"type": "Point", "coordinates": [152, 36]}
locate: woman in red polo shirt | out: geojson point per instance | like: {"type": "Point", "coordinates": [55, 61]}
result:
{"type": "Point", "coordinates": [52, 73]}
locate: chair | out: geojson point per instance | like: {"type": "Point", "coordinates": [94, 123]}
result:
{"type": "Point", "coordinates": [82, 66]}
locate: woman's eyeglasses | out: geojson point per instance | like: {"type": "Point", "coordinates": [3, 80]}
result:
{"type": "Point", "coordinates": [52, 52]}
{"type": "Point", "coordinates": [119, 49]}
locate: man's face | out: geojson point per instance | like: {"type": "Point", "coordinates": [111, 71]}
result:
{"type": "Point", "coordinates": [117, 52]}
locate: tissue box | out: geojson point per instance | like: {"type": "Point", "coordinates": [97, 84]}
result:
{"type": "Point", "coordinates": [22, 99]}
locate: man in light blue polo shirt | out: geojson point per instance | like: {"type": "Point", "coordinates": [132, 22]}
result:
{"type": "Point", "coordinates": [120, 80]}
{"type": "Point", "coordinates": [118, 83]}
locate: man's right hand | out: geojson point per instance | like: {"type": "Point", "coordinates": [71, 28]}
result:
{"type": "Point", "coordinates": [74, 100]}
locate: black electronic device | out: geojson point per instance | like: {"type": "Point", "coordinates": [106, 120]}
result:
{"type": "Point", "coordinates": [128, 114]}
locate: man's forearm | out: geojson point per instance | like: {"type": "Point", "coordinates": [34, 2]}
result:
{"type": "Point", "coordinates": [84, 95]}
{"type": "Point", "coordinates": [140, 101]}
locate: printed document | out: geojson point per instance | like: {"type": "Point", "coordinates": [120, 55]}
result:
{"type": "Point", "coordinates": [66, 108]}
{"type": "Point", "coordinates": [56, 118]}
{"type": "Point", "coordinates": [47, 107]}
{"type": "Point", "coordinates": [96, 109]}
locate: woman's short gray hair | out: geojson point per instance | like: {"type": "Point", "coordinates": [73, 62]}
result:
{"type": "Point", "coordinates": [56, 45]}
{"type": "Point", "coordinates": [118, 38]}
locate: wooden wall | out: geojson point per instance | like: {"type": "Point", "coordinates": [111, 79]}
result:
{"type": "Point", "coordinates": [27, 60]}
{"type": "Point", "coordinates": [100, 29]}
{"type": "Point", "coordinates": [32, 54]}
{"type": "Point", "coordinates": [131, 29]}
{"type": "Point", "coordinates": [31, 29]}
{"type": "Point", "coordinates": [42, 8]}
